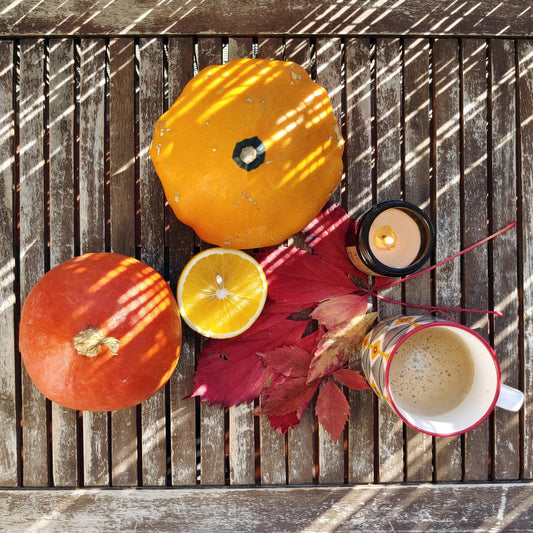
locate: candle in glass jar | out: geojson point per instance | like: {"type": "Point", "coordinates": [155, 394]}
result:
{"type": "Point", "coordinates": [394, 238]}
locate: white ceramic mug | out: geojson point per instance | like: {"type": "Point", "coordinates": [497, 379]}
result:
{"type": "Point", "coordinates": [483, 389]}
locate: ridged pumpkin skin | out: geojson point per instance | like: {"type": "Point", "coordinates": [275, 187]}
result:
{"type": "Point", "coordinates": [129, 303]}
{"type": "Point", "coordinates": [230, 199]}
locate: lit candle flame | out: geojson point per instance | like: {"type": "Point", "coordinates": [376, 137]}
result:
{"type": "Point", "coordinates": [385, 238]}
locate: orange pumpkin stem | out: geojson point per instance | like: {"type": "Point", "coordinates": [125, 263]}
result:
{"type": "Point", "coordinates": [88, 342]}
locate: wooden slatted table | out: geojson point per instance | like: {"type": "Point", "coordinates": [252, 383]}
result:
{"type": "Point", "coordinates": [436, 105]}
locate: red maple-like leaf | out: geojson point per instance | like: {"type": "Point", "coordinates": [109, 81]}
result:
{"type": "Point", "coordinates": [282, 423]}
{"type": "Point", "coordinates": [289, 395]}
{"type": "Point", "coordinates": [326, 235]}
{"type": "Point", "coordinates": [230, 371]}
{"type": "Point", "coordinates": [339, 345]}
{"type": "Point", "coordinates": [351, 378]}
{"type": "Point", "coordinates": [228, 377]}
{"type": "Point", "coordinates": [283, 364]}
{"type": "Point", "coordinates": [297, 277]}
{"type": "Point", "coordinates": [273, 313]}
{"type": "Point", "coordinates": [291, 361]}
{"type": "Point", "coordinates": [332, 409]}
{"type": "Point", "coordinates": [339, 309]}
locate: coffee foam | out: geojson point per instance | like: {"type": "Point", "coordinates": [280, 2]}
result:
{"type": "Point", "coordinates": [431, 372]}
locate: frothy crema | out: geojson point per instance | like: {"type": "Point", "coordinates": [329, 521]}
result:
{"type": "Point", "coordinates": [431, 372]}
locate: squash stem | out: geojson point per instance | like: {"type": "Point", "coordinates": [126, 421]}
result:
{"type": "Point", "coordinates": [248, 155]}
{"type": "Point", "coordinates": [88, 342]}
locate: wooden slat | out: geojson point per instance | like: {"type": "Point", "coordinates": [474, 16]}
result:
{"type": "Point", "coordinates": [444, 508]}
{"type": "Point", "coordinates": [152, 206]}
{"type": "Point", "coordinates": [92, 57]}
{"type": "Point", "coordinates": [447, 208]}
{"type": "Point", "coordinates": [415, 17]}
{"type": "Point", "coordinates": [180, 242]}
{"type": "Point", "coordinates": [525, 250]}
{"type": "Point", "coordinates": [272, 454]}
{"type": "Point", "coordinates": [61, 99]}
{"type": "Point", "coordinates": [358, 168]}
{"type": "Point", "coordinates": [8, 379]}
{"type": "Point", "coordinates": [270, 48]}
{"type": "Point", "coordinates": [301, 439]}
{"type": "Point", "coordinates": [240, 47]}
{"type": "Point", "coordinates": [212, 431]}
{"type": "Point", "coordinates": [242, 445]}
{"type": "Point", "coordinates": [92, 63]}
{"type": "Point", "coordinates": [32, 243]}
{"type": "Point", "coordinates": [329, 75]}
{"type": "Point", "coordinates": [124, 455]}
{"type": "Point", "coordinates": [417, 164]}
{"type": "Point", "coordinates": [388, 187]}
{"type": "Point", "coordinates": [241, 417]}
{"type": "Point", "coordinates": [272, 443]}
{"type": "Point", "coordinates": [505, 287]}
{"type": "Point", "coordinates": [474, 219]}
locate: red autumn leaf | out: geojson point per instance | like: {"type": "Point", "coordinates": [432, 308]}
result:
{"type": "Point", "coordinates": [229, 379]}
{"type": "Point", "coordinates": [291, 361]}
{"type": "Point", "coordinates": [326, 236]}
{"type": "Point", "coordinates": [230, 371]}
{"type": "Point", "coordinates": [273, 313]}
{"type": "Point", "coordinates": [282, 423]}
{"type": "Point", "coordinates": [310, 342]}
{"type": "Point", "coordinates": [288, 396]}
{"type": "Point", "coordinates": [336, 310]}
{"type": "Point", "coordinates": [332, 409]}
{"type": "Point", "coordinates": [300, 278]}
{"type": "Point", "coordinates": [339, 345]}
{"type": "Point", "coordinates": [351, 378]}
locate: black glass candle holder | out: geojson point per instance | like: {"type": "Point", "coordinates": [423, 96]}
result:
{"type": "Point", "coordinates": [360, 251]}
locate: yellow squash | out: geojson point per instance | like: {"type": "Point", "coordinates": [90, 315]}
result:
{"type": "Point", "coordinates": [249, 153]}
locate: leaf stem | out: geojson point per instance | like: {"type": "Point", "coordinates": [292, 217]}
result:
{"type": "Point", "coordinates": [486, 239]}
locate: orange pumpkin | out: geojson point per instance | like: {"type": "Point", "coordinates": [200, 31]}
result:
{"type": "Point", "coordinates": [100, 332]}
{"type": "Point", "coordinates": [249, 153]}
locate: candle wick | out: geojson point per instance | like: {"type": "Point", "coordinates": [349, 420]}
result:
{"type": "Point", "coordinates": [389, 241]}
{"type": "Point", "coordinates": [385, 238]}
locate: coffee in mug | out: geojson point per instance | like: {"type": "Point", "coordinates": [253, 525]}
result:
{"type": "Point", "coordinates": [440, 377]}
{"type": "Point", "coordinates": [432, 372]}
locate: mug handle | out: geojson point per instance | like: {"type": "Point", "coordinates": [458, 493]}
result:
{"type": "Point", "coordinates": [510, 399]}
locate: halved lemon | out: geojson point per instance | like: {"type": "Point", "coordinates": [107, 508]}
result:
{"type": "Point", "coordinates": [221, 292]}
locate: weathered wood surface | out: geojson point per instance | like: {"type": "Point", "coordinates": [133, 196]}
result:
{"type": "Point", "coordinates": [388, 183]}
{"type": "Point", "coordinates": [9, 370]}
{"type": "Point", "coordinates": [92, 223]}
{"type": "Point", "coordinates": [31, 251]}
{"type": "Point", "coordinates": [407, 508]}
{"type": "Point", "coordinates": [525, 246]}
{"type": "Point", "coordinates": [474, 197]}
{"type": "Point", "coordinates": [180, 245]}
{"type": "Point", "coordinates": [418, 446]}
{"type": "Point", "coordinates": [447, 194]}
{"type": "Point", "coordinates": [358, 170]}
{"type": "Point", "coordinates": [445, 123]}
{"type": "Point", "coordinates": [235, 17]}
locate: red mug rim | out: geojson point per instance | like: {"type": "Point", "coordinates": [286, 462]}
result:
{"type": "Point", "coordinates": [494, 360]}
